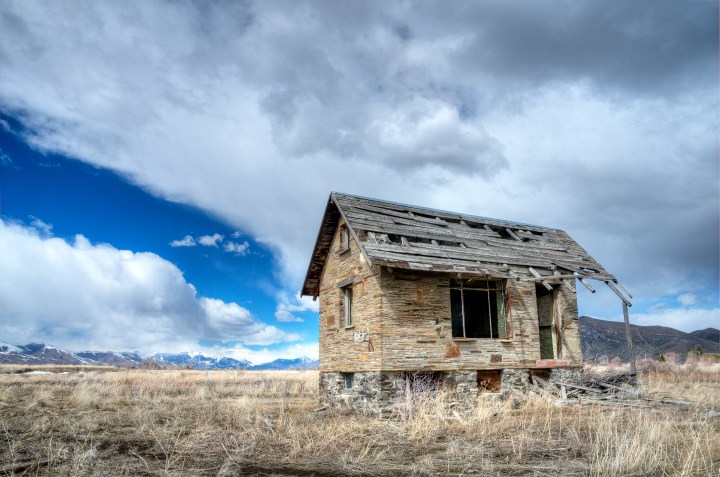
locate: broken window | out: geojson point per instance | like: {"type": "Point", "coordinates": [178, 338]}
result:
{"type": "Point", "coordinates": [347, 305]}
{"type": "Point", "coordinates": [477, 308]}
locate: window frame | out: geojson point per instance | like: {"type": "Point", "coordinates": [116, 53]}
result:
{"type": "Point", "coordinates": [498, 287]}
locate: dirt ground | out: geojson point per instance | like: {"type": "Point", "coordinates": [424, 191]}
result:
{"type": "Point", "coordinates": [110, 422]}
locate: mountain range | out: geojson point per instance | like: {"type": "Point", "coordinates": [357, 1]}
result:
{"type": "Point", "coordinates": [600, 339]}
{"type": "Point", "coordinates": [38, 353]}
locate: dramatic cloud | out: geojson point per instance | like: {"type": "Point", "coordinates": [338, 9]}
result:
{"type": "Point", "coordinates": [596, 117]}
{"type": "Point", "coordinates": [107, 298]}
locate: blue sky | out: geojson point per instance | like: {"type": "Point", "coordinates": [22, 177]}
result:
{"type": "Point", "coordinates": [130, 129]}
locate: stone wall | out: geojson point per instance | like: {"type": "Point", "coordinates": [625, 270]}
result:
{"type": "Point", "coordinates": [394, 330]}
{"type": "Point", "coordinates": [412, 302]}
{"type": "Point", "coordinates": [354, 348]}
{"type": "Point", "coordinates": [391, 393]}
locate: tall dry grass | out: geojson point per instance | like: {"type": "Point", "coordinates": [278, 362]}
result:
{"type": "Point", "coordinates": [183, 423]}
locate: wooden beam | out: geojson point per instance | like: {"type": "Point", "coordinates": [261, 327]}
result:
{"type": "Point", "coordinates": [541, 278]}
{"type": "Point", "coordinates": [511, 272]}
{"type": "Point", "coordinates": [537, 275]}
{"type": "Point", "coordinates": [567, 284]}
{"type": "Point", "coordinates": [513, 235]}
{"type": "Point", "coordinates": [587, 285]}
{"type": "Point", "coordinates": [617, 292]}
{"type": "Point", "coordinates": [623, 289]}
{"type": "Point", "coordinates": [628, 334]}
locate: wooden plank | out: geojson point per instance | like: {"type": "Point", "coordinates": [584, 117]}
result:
{"type": "Point", "coordinates": [577, 386]}
{"type": "Point", "coordinates": [629, 338]}
{"type": "Point", "coordinates": [464, 255]}
{"type": "Point", "coordinates": [513, 235]}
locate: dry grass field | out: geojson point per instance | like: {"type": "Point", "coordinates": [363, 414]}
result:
{"type": "Point", "coordinates": [111, 422]}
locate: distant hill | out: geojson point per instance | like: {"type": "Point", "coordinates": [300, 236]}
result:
{"type": "Point", "coordinates": [710, 334]}
{"type": "Point", "coordinates": [39, 353]}
{"type": "Point", "coordinates": [298, 363]}
{"type": "Point", "coordinates": [602, 339]}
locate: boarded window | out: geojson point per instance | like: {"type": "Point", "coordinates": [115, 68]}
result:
{"type": "Point", "coordinates": [344, 238]}
{"type": "Point", "coordinates": [477, 308]}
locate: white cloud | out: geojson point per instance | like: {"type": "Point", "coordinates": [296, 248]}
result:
{"type": "Point", "coordinates": [265, 355]}
{"type": "Point", "coordinates": [687, 299]}
{"type": "Point", "coordinates": [186, 241]}
{"type": "Point", "coordinates": [42, 227]}
{"type": "Point", "coordinates": [684, 319]}
{"type": "Point", "coordinates": [210, 240]}
{"type": "Point", "coordinates": [95, 296]}
{"type": "Point", "coordinates": [240, 249]}
{"type": "Point", "coordinates": [284, 316]}
{"type": "Point", "coordinates": [287, 306]}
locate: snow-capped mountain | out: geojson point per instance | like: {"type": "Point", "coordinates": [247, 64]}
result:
{"type": "Point", "coordinates": [200, 361]}
{"type": "Point", "coordinates": [38, 353]}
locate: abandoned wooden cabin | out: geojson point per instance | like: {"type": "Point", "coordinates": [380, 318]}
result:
{"type": "Point", "coordinates": [472, 303]}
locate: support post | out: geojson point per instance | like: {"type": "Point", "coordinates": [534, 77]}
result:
{"type": "Point", "coordinates": [629, 338]}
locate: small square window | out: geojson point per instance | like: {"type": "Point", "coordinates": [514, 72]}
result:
{"type": "Point", "coordinates": [348, 378]}
{"type": "Point", "coordinates": [477, 308]}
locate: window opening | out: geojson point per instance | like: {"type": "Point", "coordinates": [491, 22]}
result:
{"type": "Point", "coordinates": [545, 304]}
{"type": "Point", "coordinates": [477, 308]}
{"type": "Point", "coordinates": [344, 238]}
{"type": "Point", "coordinates": [348, 378]}
{"type": "Point", "coordinates": [489, 380]}
{"type": "Point", "coordinates": [347, 305]}
{"type": "Point", "coordinates": [423, 381]}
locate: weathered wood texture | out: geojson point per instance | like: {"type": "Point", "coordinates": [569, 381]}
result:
{"type": "Point", "coordinates": [415, 238]}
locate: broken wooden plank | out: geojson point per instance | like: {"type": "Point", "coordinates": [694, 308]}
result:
{"type": "Point", "coordinates": [619, 388]}
{"type": "Point", "coordinates": [577, 386]}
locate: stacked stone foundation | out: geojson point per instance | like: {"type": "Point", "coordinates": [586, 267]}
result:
{"type": "Point", "coordinates": [386, 393]}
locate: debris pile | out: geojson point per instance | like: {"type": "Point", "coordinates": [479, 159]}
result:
{"type": "Point", "coordinates": [617, 390]}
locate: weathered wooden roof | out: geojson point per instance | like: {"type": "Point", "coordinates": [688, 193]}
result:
{"type": "Point", "coordinates": [416, 238]}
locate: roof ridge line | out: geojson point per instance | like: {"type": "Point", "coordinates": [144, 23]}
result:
{"type": "Point", "coordinates": [448, 212]}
